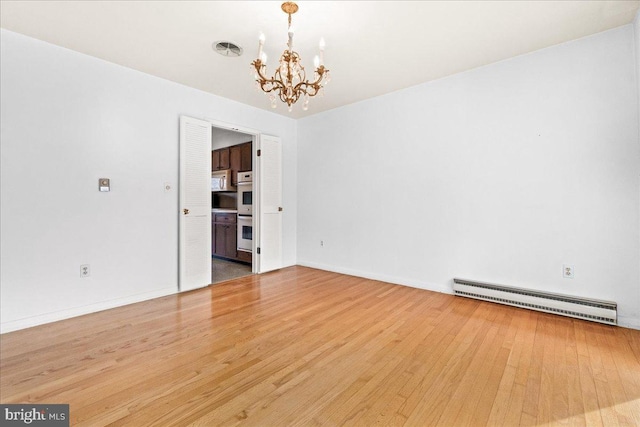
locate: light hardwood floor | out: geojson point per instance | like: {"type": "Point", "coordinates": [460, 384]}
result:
{"type": "Point", "coordinates": [306, 347]}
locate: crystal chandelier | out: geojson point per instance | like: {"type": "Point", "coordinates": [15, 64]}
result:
{"type": "Point", "coordinates": [289, 83]}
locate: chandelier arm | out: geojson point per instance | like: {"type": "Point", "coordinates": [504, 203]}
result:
{"type": "Point", "coordinates": [315, 85]}
{"type": "Point", "coordinates": [276, 84]}
{"type": "Point", "coordinates": [281, 86]}
{"type": "Point", "coordinates": [257, 64]}
{"type": "Point", "coordinates": [289, 100]}
{"type": "Point", "coordinates": [309, 89]}
{"type": "Point", "coordinates": [303, 77]}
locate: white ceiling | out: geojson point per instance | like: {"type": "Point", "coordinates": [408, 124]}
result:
{"type": "Point", "coordinates": [373, 47]}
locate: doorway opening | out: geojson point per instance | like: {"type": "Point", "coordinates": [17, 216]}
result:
{"type": "Point", "coordinates": [263, 239]}
{"type": "Point", "coordinates": [232, 223]}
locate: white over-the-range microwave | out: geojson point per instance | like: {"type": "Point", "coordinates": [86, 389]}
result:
{"type": "Point", "coordinates": [221, 181]}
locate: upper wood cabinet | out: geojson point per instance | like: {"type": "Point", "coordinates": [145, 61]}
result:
{"type": "Point", "coordinates": [241, 157]}
{"type": "Point", "coordinates": [246, 157]}
{"type": "Point", "coordinates": [237, 158]}
{"type": "Point", "coordinates": [220, 159]}
{"type": "Point", "coordinates": [235, 161]}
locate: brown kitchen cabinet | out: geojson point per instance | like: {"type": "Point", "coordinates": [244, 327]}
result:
{"type": "Point", "coordinates": [235, 157]}
{"type": "Point", "coordinates": [245, 256]}
{"type": "Point", "coordinates": [224, 235]}
{"type": "Point", "coordinates": [220, 159]}
{"type": "Point", "coordinates": [246, 157]}
{"type": "Point", "coordinates": [241, 157]}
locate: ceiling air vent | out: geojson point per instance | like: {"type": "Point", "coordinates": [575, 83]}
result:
{"type": "Point", "coordinates": [225, 48]}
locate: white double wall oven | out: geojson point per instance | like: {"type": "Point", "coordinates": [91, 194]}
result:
{"type": "Point", "coordinates": [245, 211]}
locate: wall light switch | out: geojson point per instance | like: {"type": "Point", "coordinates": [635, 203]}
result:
{"type": "Point", "coordinates": [104, 184]}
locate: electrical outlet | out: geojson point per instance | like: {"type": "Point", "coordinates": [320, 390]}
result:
{"type": "Point", "coordinates": [321, 242]}
{"type": "Point", "coordinates": [568, 271]}
{"type": "Point", "coordinates": [85, 270]}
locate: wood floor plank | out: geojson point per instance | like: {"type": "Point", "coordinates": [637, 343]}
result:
{"type": "Point", "coordinates": [587, 381]}
{"type": "Point", "coordinates": [614, 381]}
{"type": "Point", "coordinates": [575, 405]}
{"type": "Point", "coordinates": [440, 385]}
{"type": "Point", "coordinates": [305, 347]}
{"type": "Point", "coordinates": [464, 406]}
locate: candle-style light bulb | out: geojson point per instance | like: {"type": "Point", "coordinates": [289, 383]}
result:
{"type": "Point", "coordinates": [322, 45]}
{"type": "Point", "coordinates": [316, 61]}
{"type": "Point", "coordinates": [263, 58]}
{"type": "Point", "coordinates": [290, 33]}
{"type": "Point", "coordinates": [260, 44]}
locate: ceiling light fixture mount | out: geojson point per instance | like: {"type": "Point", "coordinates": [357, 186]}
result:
{"type": "Point", "coordinates": [289, 82]}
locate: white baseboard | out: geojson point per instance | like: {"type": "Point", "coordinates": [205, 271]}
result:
{"type": "Point", "coordinates": [28, 322]}
{"type": "Point", "coordinates": [382, 277]}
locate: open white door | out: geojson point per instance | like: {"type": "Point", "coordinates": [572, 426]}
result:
{"type": "Point", "coordinates": [195, 204]}
{"type": "Point", "coordinates": [269, 189]}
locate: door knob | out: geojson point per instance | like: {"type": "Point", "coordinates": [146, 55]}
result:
{"type": "Point", "coordinates": [186, 211]}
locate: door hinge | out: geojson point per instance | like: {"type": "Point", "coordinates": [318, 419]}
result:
{"type": "Point", "coordinates": [258, 251]}
{"type": "Point", "coordinates": [259, 153]}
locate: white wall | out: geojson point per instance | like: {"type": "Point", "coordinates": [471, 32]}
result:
{"type": "Point", "coordinates": [67, 120]}
{"type": "Point", "coordinates": [636, 33]}
{"type": "Point", "coordinates": [500, 174]}
{"type": "Point", "coordinates": [636, 37]}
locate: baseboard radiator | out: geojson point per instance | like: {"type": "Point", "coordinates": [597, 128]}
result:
{"type": "Point", "coordinates": [565, 305]}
